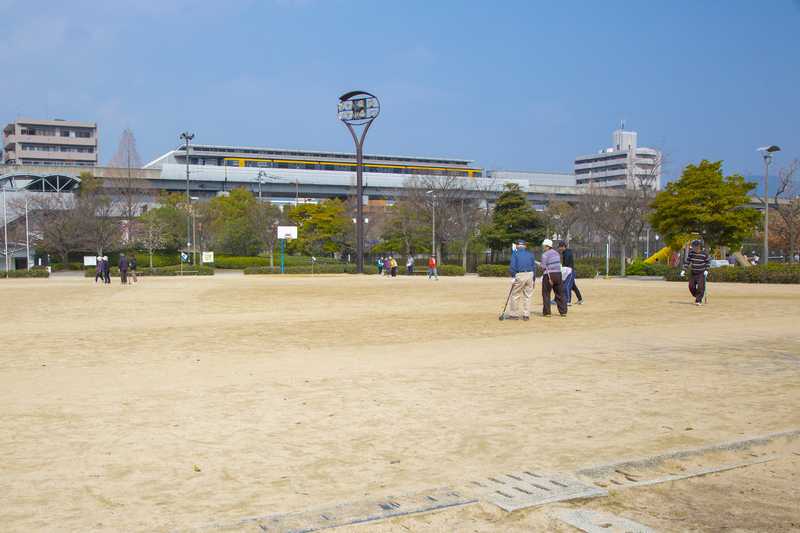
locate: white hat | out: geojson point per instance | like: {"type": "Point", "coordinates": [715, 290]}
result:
{"type": "Point", "coordinates": [547, 242]}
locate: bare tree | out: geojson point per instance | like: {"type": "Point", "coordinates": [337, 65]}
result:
{"type": "Point", "coordinates": [132, 192]}
{"type": "Point", "coordinates": [561, 218]}
{"type": "Point", "coordinates": [100, 228]}
{"type": "Point", "coordinates": [787, 205]}
{"type": "Point", "coordinates": [55, 224]}
{"type": "Point", "coordinates": [153, 233]}
{"type": "Point", "coordinates": [265, 218]}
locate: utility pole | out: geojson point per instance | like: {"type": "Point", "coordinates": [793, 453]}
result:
{"type": "Point", "coordinates": [433, 225]}
{"type": "Point", "coordinates": [5, 231]}
{"type": "Point", "coordinates": [767, 152]}
{"type": "Point", "coordinates": [187, 138]}
{"type": "Point", "coordinates": [27, 236]}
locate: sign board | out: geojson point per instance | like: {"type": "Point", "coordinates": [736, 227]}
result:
{"type": "Point", "coordinates": [89, 260]}
{"type": "Point", "coordinates": [184, 257]}
{"type": "Point", "coordinates": [208, 257]}
{"type": "Point", "coordinates": [287, 232]}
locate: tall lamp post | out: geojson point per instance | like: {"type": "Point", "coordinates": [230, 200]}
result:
{"type": "Point", "coordinates": [433, 223]}
{"type": "Point", "coordinates": [359, 108]}
{"type": "Point", "coordinates": [187, 137]}
{"type": "Point", "coordinates": [766, 152]}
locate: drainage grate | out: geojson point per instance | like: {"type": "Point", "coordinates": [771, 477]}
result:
{"type": "Point", "coordinates": [596, 522]}
{"type": "Point", "coordinates": [529, 488]}
{"type": "Point", "coordinates": [362, 512]}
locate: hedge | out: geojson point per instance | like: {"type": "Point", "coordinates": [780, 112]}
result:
{"type": "Point", "coordinates": [582, 270]}
{"type": "Point", "coordinates": [493, 271]}
{"type": "Point", "coordinates": [32, 273]}
{"type": "Point", "coordinates": [639, 268]}
{"type": "Point", "coordinates": [188, 270]}
{"type": "Point", "coordinates": [450, 270]}
{"type": "Point", "coordinates": [773, 273]}
{"type": "Point", "coordinates": [242, 262]}
{"type": "Point", "coordinates": [338, 268]}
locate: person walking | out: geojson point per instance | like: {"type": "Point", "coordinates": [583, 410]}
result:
{"type": "Point", "coordinates": [387, 265]}
{"type": "Point", "coordinates": [98, 269]}
{"type": "Point", "coordinates": [522, 269]}
{"type": "Point", "coordinates": [123, 269]}
{"type": "Point", "coordinates": [568, 261]}
{"type": "Point", "coordinates": [393, 266]}
{"type": "Point", "coordinates": [698, 263]}
{"type": "Point", "coordinates": [379, 264]}
{"type": "Point", "coordinates": [432, 271]}
{"type": "Point", "coordinates": [132, 268]}
{"type": "Point", "coordinates": [410, 265]}
{"type": "Point", "coordinates": [551, 280]}
{"type": "Point", "coordinates": [106, 271]}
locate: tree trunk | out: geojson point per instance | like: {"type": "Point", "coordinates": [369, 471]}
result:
{"type": "Point", "coordinates": [464, 250]}
{"type": "Point", "coordinates": [151, 258]}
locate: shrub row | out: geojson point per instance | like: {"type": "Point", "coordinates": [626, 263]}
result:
{"type": "Point", "coordinates": [582, 270]}
{"type": "Point", "coordinates": [188, 270]}
{"type": "Point", "coordinates": [242, 262]}
{"type": "Point", "coordinates": [32, 273]}
{"type": "Point", "coordinates": [450, 270]}
{"type": "Point", "coordinates": [779, 273]}
{"type": "Point", "coordinates": [639, 268]}
{"type": "Point", "coordinates": [342, 268]}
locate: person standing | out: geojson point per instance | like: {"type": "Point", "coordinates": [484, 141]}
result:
{"type": "Point", "coordinates": [568, 261]}
{"type": "Point", "coordinates": [98, 269]}
{"type": "Point", "coordinates": [106, 271]}
{"type": "Point", "coordinates": [432, 268]}
{"type": "Point", "coordinates": [410, 265]}
{"type": "Point", "coordinates": [393, 266]}
{"type": "Point", "coordinates": [551, 280]}
{"type": "Point", "coordinates": [698, 263]}
{"type": "Point", "coordinates": [123, 269]}
{"type": "Point", "coordinates": [522, 270]}
{"type": "Point", "coordinates": [132, 268]}
{"type": "Point", "coordinates": [387, 265]}
{"type": "Point", "coordinates": [379, 264]}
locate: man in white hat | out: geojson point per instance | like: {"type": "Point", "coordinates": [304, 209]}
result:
{"type": "Point", "coordinates": [522, 268]}
{"type": "Point", "coordinates": [551, 280]}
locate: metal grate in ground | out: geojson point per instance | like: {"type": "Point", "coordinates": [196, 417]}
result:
{"type": "Point", "coordinates": [529, 488]}
{"type": "Point", "coordinates": [361, 512]}
{"type": "Point", "coordinates": [598, 522]}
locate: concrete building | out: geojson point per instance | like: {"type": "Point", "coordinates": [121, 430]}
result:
{"type": "Point", "coordinates": [50, 142]}
{"type": "Point", "coordinates": [534, 177]}
{"type": "Point", "coordinates": [623, 165]}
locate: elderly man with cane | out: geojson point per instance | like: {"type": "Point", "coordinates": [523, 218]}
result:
{"type": "Point", "coordinates": [551, 280]}
{"type": "Point", "coordinates": [522, 269]}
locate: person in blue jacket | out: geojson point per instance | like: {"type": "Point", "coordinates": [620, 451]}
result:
{"type": "Point", "coordinates": [522, 268]}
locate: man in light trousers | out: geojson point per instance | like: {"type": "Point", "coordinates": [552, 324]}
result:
{"type": "Point", "coordinates": [522, 268]}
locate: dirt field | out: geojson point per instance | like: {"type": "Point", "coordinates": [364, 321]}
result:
{"type": "Point", "coordinates": [186, 402]}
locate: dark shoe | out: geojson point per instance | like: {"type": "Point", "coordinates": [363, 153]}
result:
{"type": "Point", "coordinates": [526, 318]}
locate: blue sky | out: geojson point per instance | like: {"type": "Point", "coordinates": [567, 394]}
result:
{"type": "Point", "coordinates": [511, 84]}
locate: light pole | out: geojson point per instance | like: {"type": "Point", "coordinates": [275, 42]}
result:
{"type": "Point", "coordinates": [261, 175]}
{"type": "Point", "coordinates": [433, 222]}
{"type": "Point", "coordinates": [187, 137]}
{"type": "Point", "coordinates": [359, 108]}
{"type": "Point", "coordinates": [766, 152]}
{"type": "Point", "coordinates": [5, 231]}
{"type": "Point", "coordinates": [27, 236]}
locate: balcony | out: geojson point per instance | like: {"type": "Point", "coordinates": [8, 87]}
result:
{"type": "Point", "coordinates": [52, 139]}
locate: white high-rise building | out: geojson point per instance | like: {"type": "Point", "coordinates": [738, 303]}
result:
{"type": "Point", "coordinates": [625, 165]}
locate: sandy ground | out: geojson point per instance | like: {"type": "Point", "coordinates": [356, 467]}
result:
{"type": "Point", "coordinates": [183, 402]}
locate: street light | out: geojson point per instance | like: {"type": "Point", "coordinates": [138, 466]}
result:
{"type": "Point", "coordinates": [359, 108]}
{"type": "Point", "coordinates": [187, 137]}
{"type": "Point", "coordinates": [433, 225]}
{"type": "Point", "coordinates": [766, 152]}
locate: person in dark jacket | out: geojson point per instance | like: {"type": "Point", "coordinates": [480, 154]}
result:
{"type": "Point", "coordinates": [551, 280]}
{"type": "Point", "coordinates": [568, 260]}
{"type": "Point", "coordinates": [132, 268]}
{"type": "Point", "coordinates": [106, 270]}
{"type": "Point", "coordinates": [123, 269]}
{"type": "Point", "coordinates": [698, 263]}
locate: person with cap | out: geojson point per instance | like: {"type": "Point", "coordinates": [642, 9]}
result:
{"type": "Point", "coordinates": [551, 280]}
{"type": "Point", "coordinates": [106, 270]}
{"type": "Point", "coordinates": [698, 263]}
{"type": "Point", "coordinates": [522, 268]}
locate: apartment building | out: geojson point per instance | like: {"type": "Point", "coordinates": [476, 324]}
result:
{"type": "Point", "coordinates": [50, 142]}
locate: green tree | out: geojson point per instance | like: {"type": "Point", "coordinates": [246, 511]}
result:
{"type": "Point", "coordinates": [705, 202]}
{"type": "Point", "coordinates": [322, 228]}
{"type": "Point", "coordinates": [406, 230]}
{"type": "Point", "coordinates": [513, 218]}
{"type": "Point", "coordinates": [232, 223]}
{"type": "Point", "coordinates": [170, 217]}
